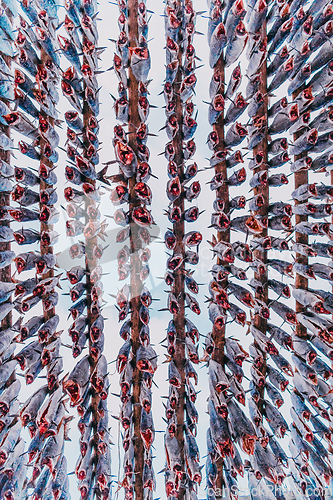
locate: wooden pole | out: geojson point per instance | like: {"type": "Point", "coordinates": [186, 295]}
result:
{"type": "Point", "coordinates": [181, 56]}
{"type": "Point", "coordinates": [222, 193]}
{"type": "Point", "coordinates": [262, 147]}
{"type": "Point", "coordinates": [178, 286]}
{"type": "Point", "coordinates": [135, 245]}
{"type": "Point", "coordinates": [6, 273]}
{"type": "Point", "coordinates": [91, 262]}
{"type": "Point", "coordinates": [99, 482]}
{"type": "Point", "coordinates": [44, 226]}
{"type": "Point", "coordinates": [301, 177]}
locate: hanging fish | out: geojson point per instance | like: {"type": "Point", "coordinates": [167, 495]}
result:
{"type": "Point", "coordinates": [236, 44]}
{"type": "Point", "coordinates": [140, 61]}
{"type": "Point", "coordinates": [77, 380]}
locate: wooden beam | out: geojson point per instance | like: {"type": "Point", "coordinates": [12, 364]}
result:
{"type": "Point", "coordinates": [6, 273]}
{"type": "Point", "coordinates": [262, 147]}
{"type": "Point", "coordinates": [178, 287]}
{"type": "Point", "coordinates": [135, 263]}
{"type": "Point", "coordinates": [44, 226]}
{"type": "Point", "coordinates": [301, 177]}
{"type": "Point", "coordinates": [222, 193]}
{"type": "Point", "coordinates": [90, 261]}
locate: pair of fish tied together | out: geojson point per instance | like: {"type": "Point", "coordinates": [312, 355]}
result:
{"type": "Point", "coordinates": [288, 50]}
{"type": "Point", "coordinates": [132, 197]}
